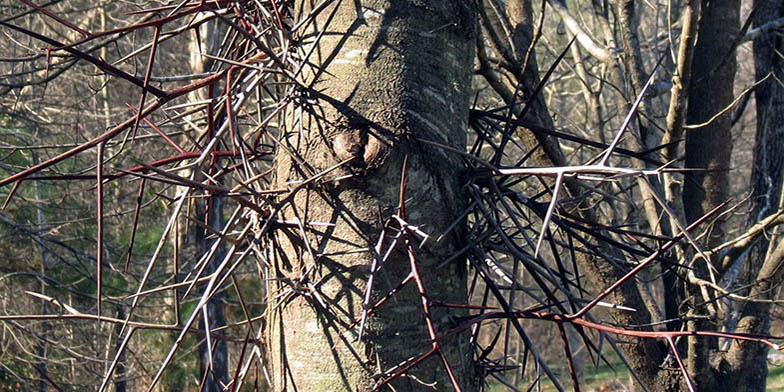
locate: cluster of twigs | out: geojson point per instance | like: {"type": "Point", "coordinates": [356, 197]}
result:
{"type": "Point", "coordinates": [247, 92]}
{"type": "Point", "coordinates": [517, 232]}
{"type": "Point", "coordinates": [509, 227]}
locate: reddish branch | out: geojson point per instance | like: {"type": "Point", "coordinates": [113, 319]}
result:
{"type": "Point", "coordinates": [168, 96]}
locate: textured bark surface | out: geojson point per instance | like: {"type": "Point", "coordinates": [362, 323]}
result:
{"type": "Point", "coordinates": [392, 73]}
{"type": "Point", "coordinates": [709, 147]}
{"type": "Point", "coordinates": [749, 360]}
{"type": "Point", "coordinates": [744, 367]}
{"type": "Point", "coordinates": [769, 141]}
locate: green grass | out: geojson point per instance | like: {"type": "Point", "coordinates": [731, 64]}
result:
{"type": "Point", "coordinates": [775, 378]}
{"type": "Point", "coordinates": [597, 376]}
{"type": "Point", "coordinates": [593, 379]}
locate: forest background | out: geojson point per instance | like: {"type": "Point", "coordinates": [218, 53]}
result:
{"type": "Point", "coordinates": [605, 175]}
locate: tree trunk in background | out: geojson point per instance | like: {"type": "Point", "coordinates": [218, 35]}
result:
{"type": "Point", "coordinates": [40, 348]}
{"type": "Point", "coordinates": [769, 141]}
{"type": "Point", "coordinates": [120, 378]}
{"type": "Point", "coordinates": [394, 73]}
{"type": "Point", "coordinates": [749, 360]}
{"type": "Point", "coordinates": [209, 211]}
{"type": "Point", "coordinates": [644, 356]}
{"type": "Point", "coordinates": [520, 15]}
{"type": "Point", "coordinates": [710, 148]}
{"type": "Point", "coordinates": [218, 376]}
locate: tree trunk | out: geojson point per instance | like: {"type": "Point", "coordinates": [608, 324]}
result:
{"type": "Point", "coordinates": [41, 350]}
{"type": "Point", "coordinates": [386, 75]}
{"type": "Point", "coordinates": [710, 148]}
{"type": "Point", "coordinates": [769, 141]}
{"type": "Point", "coordinates": [120, 376]}
{"type": "Point", "coordinates": [747, 359]}
{"type": "Point", "coordinates": [213, 361]}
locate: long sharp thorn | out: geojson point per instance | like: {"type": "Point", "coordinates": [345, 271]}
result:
{"type": "Point", "coordinates": [630, 115]}
{"type": "Point", "coordinates": [147, 74]}
{"type": "Point", "coordinates": [550, 209]}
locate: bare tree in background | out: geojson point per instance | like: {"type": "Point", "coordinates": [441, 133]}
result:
{"type": "Point", "coordinates": [391, 222]}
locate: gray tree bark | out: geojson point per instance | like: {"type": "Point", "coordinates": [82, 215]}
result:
{"type": "Point", "coordinates": [213, 362]}
{"type": "Point", "coordinates": [769, 140]}
{"type": "Point", "coordinates": [764, 264]}
{"type": "Point", "coordinates": [710, 148]}
{"type": "Point", "coordinates": [44, 264]}
{"type": "Point", "coordinates": [388, 75]}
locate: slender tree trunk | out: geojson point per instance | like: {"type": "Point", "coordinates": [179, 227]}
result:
{"type": "Point", "coordinates": [388, 75]}
{"type": "Point", "coordinates": [43, 386]}
{"type": "Point", "coordinates": [214, 359]}
{"type": "Point", "coordinates": [209, 211]}
{"type": "Point", "coordinates": [120, 376]}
